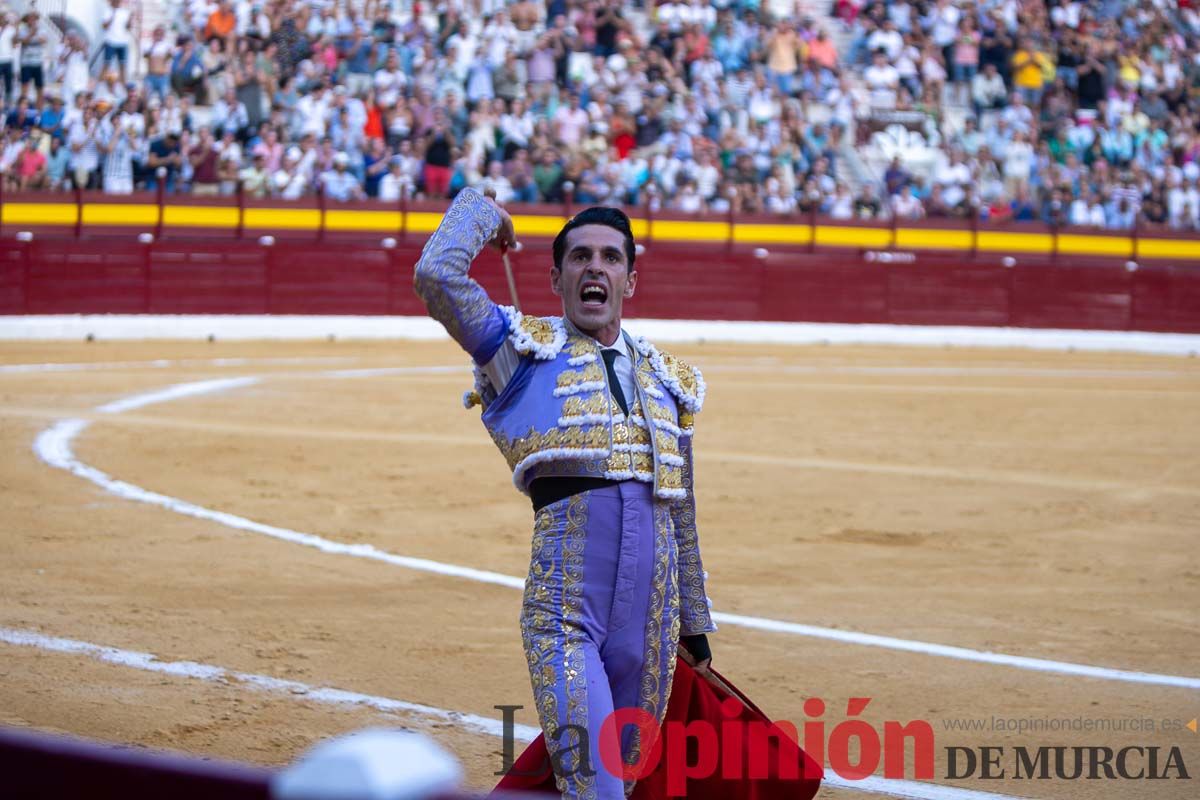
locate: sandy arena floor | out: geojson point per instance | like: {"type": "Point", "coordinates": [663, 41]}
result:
{"type": "Point", "coordinates": [1033, 504]}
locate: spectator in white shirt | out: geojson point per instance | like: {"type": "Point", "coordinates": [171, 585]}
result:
{"type": "Point", "coordinates": [689, 200]}
{"type": "Point", "coordinates": [1085, 211]}
{"type": "Point", "coordinates": [230, 114]}
{"type": "Point", "coordinates": [987, 89]}
{"type": "Point", "coordinates": [118, 29]}
{"type": "Point", "coordinates": [883, 80]}
{"type": "Point", "coordinates": [842, 204]}
{"type": "Point", "coordinates": [906, 205]}
{"type": "Point", "coordinates": [888, 39]}
{"type": "Point", "coordinates": [8, 52]}
{"type": "Point", "coordinates": [496, 182]}
{"type": "Point", "coordinates": [395, 181]}
{"type": "Point", "coordinates": [570, 121]}
{"type": "Point", "coordinates": [339, 183]}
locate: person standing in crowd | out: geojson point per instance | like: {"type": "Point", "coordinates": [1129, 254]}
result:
{"type": "Point", "coordinates": [439, 148]}
{"type": "Point", "coordinates": [117, 25]}
{"type": "Point", "coordinates": [158, 63]}
{"type": "Point", "coordinates": [33, 52]}
{"type": "Point", "coordinates": [120, 143]}
{"type": "Point", "coordinates": [8, 52]}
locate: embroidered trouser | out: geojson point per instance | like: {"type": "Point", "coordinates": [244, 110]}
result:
{"type": "Point", "coordinates": [600, 624]}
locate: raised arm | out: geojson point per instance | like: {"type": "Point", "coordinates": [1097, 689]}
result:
{"type": "Point", "coordinates": [451, 296]}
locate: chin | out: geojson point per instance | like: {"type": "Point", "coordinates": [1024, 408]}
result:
{"type": "Point", "coordinates": [592, 320]}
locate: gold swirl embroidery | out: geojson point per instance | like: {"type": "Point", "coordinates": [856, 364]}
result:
{"type": "Point", "coordinates": [578, 405]}
{"type": "Point", "coordinates": [661, 411]}
{"type": "Point", "coordinates": [580, 345]}
{"type": "Point", "coordinates": [662, 632]}
{"type": "Point", "coordinates": [536, 622]}
{"type": "Point", "coordinates": [539, 329]}
{"type": "Point", "coordinates": [575, 437]}
{"type": "Point", "coordinates": [552, 634]}
{"type": "Point", "coordinates": [575, 683]}
{"type": "Point", "coordinates": [682, 371]}
{"type": "Point", "coordinates": [590, 373]}
{"type": "Point", "coordinates": [694, 599]}
{"type": "Point", "coordinates": [668, 443]}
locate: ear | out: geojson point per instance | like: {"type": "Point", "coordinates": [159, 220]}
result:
{"type": "Point", "coordinates": [631, 284]}
{"type": "Point", "coordinates": [555, 277]}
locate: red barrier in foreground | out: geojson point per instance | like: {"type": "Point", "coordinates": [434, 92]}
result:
{"type": "Point", "coordinates": [36, 765]}
{"type": "Point", "coordinates": [120, 275]}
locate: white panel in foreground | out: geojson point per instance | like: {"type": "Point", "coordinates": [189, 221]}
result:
{"type": "Point", "coordinates": [79, 327]}
{"type": "Point", "coordinates": [370, 765]}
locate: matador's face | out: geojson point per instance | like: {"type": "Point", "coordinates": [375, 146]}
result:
{"type": "Point", "coordinates": [594, 280]}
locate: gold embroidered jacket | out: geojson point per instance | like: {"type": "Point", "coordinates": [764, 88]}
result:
{"type": "Point", "coordinates": [556, 415]}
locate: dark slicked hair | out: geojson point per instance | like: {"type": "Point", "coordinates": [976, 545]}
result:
{"type": "Point", "coordinates": [613, 218]}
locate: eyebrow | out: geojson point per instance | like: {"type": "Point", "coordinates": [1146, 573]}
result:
{"type": "Point", "coordinates": [607, 250]}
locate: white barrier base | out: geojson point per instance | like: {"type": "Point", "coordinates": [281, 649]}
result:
{"type": "Point", "coordinates": [78, 327]}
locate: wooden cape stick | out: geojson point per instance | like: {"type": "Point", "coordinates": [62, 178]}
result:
{"type": "Point", "coordinates": [508, 272]}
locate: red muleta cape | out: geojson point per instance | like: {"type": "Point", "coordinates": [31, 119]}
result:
{"type": "Point", "coordinates": [693, 698]}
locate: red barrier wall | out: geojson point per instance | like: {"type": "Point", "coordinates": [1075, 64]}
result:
{"type": "Point", "coordinates": [226, 276]}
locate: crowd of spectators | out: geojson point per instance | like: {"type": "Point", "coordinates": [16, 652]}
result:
{"type": "Point", "coordinates": [1077, 113]}
{"type": "Point", "coordinates": [1065, 112]}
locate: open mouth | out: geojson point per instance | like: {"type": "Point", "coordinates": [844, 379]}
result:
{"type": "Point", "coordinates": [593, 294]}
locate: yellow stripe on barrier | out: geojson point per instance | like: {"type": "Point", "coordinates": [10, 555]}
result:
{"type": "Point", "coordinates": [291, 219]}
{"type": "Point", "coordinates": [933, 239]}
{"type": "Point", "coordinates": [381, 221]}
{"type": "Point", "coordinates": [39, 213]}
{"type": "Point", "coordinates": [1181, 249]}
{"type": "Point", "coordinates": [200, 216]}
{"type": "Point", "coordinates": [1094, 245]}
{"type": "Point", "coordinates": [528, 225]}
{"type": "Point", "coordinates": [844, 236]}
{"type": "Point", "coordinates": [122, 214]}
{"type": "Point", "coordinates": [672, 230]}
{"type": "Point", "coordinates": [1005, 241]}
{"type": "Point", "coordinates": [423, 222]}
{"type": "Point", "coordinates": [772, 234]}
{"type": "Point", "coordinates": [537, 225]}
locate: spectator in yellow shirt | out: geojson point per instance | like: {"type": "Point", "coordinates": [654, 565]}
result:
{"type": "Point", "coordinates": [1030, 69]}
{"type": "Point", "coordinates": [785, 53]}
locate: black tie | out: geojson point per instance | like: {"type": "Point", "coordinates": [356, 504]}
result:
{"type": "Point", "coordinates": [609, 357]}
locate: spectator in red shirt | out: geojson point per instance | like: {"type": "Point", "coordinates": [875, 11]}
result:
{"type": "Point", "coordinates": [30, 167]}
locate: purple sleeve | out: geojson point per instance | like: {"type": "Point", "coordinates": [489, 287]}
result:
{"type": "Point", "coordinates": [452, 297]}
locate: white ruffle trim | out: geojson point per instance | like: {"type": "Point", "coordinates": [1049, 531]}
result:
{"type": "Point", "coordinates": [583, 419]}
{"type": "Point", "coordinates": [639, 420]}
{"type": "Point", "coordinates": [665, 424]}
{"type": "Point", "coordinates": [628, 475]}
{"type": "Point", "coordinates": [586, 358]}
{"type": "Point", "coordinates": [692, 402]}
{"type": "Point", "coordinates": [672, 494]}
{"type": "Point", "coordinates": [524, 343]}
{"type": "Point", "coordinates": [576, 388]}
{"type": "Point", "coordinates": [671, 460]}
{"type": "Point", "coordinates": [621, 447]}
{"type": "Point", "coordinates": [564, 453]}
